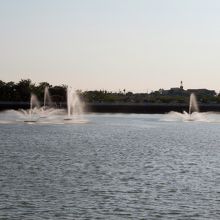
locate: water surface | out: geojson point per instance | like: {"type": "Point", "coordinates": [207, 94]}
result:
{"type": "Point", "coordinates": [114, 167]}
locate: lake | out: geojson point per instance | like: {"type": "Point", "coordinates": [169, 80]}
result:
{"type": "Point", "coordinates": [122, 166]}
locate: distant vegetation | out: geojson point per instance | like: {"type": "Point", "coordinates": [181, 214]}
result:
{"type": "Point", "coordinates": [21, 91]}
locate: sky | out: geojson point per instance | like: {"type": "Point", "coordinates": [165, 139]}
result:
{"type": "Point", "coordinates": [137, 45]}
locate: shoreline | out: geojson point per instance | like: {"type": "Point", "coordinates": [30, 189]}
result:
{"type": "Point", "coordinates": [139, 108]}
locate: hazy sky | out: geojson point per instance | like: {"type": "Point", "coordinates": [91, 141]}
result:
{"type": "Point", "coordinates": [138, 45]}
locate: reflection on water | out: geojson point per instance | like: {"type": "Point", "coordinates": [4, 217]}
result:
{"type": "Point", "coordinates": [115, 167]}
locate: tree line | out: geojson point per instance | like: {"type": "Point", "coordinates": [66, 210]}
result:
{"type": "Point", "coordinates": [21, 92]}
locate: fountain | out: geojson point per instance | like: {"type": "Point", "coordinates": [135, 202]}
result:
{"type": "Point", "coordinates": [34, 104]}
{"type": "Point", "coordinates": [193, 108]}
{"type": "Point", "coordinates": [47, 98]}
{"type": "Point", "coordinates": [48, 104]}
{"type": "Point", "coordinates": [47, 114]}
{"type": "Point", "coordinates": [193, 104]}
{"type": "Point", "coordinates": [74, 105]}
{"type": "Point", "coordinates": [192, 115]}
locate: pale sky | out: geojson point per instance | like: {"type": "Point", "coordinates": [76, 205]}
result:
{"type": "Point", "coordinates": [139, 45]}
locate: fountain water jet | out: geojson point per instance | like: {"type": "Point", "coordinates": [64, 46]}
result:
{"type": "Point", "coordinates": [74, 105]}
{"type": "Point", "coordinates": [34, 104]}
{"type": "Point", "coordinates": [193, 104]}
{"type": "Point", "coordinates": [47, 98]}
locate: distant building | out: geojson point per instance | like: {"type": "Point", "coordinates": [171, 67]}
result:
{"type": "Point", "coordinates": [175, 91]}
{"type": "Point", "coordinates": [202, 92]}
{"type": "Point", "coordinates": [179, 91]}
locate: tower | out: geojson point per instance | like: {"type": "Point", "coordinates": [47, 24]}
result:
{"type": "Point", "coordinates": [181, 85]}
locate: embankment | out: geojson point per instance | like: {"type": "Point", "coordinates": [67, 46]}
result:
{"type": "Point", "coordinates": [142, 108]}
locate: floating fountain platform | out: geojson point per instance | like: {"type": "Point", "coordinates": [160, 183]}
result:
{"type": "Point", "coordinates": [190, 119]}
{"type": "Point", "coordinates": [30, 121]}
{"type": "Point", "coordinates": [43, 116]}
{"type": "Point", "coordinates": [67, 119]}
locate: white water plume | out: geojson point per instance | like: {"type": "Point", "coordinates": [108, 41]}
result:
{"type": "Point", "coordinates": [47, 98]}
{"type": "Point", "coordinates": [193, 104]}
{"type": "Point", "coordinates": [74, 104]}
